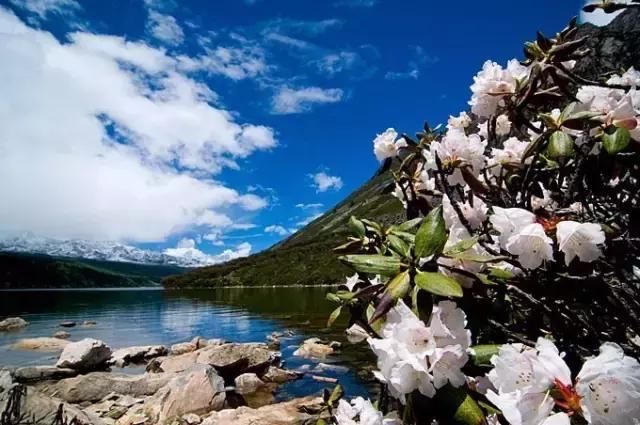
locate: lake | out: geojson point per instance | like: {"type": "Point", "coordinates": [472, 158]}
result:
{"type": "Point", "coordinates": [127, 317]}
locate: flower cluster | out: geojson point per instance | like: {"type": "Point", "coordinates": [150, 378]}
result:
{"type": "Point", "coordinates": [414, 356]}
{"type": "Point", "coordinates": [361, 411]}
{"type": "Point", "coordinates": [526, 206]}
{"type": "Point", "coordinates": [531, 382]}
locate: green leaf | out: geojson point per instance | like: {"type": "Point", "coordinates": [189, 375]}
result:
{"type": "Point", "coordinates": [374, 264]}
{"type": "Point", "coordinates": [399, 286]}
{"type": "Point", "coordinates": [344, 295]}
{"type": "Point", "coordinates": [462, 246]}
{"type": "Point", "coordinates": [376, 227]}
{"type": "Point", "coordinates": [409, 238]}
{"type": "Point", "coordinates": [481, 354]}
{"type": "Point", "coordinates": [501, 274]}
{"type": "Point", "coordinates": [357, 227]}
{"type": "Point", "coordinates": [334, 315]}
{"type": "Point", "coordinates": [422, 304]}
{"type": "Point", "coordinates": [438, 284]}
{"type": "Point", "coordinates": [376, 325]}
{"type": "Point", "coordinates": [616, 142]}
{"type": "Point", "coordinates": [336, 395]}
{"type": "Point", "coordinates": [457, 403]}
{"type": "Point", "coordinates": [533, 147]}
{"type": "Point", "coordinates": [484, 279]}
{"type": "Point", "coordinates": [398, 245]}
{"type": "Point", "coordinates": [560, 145]}
{"type": "Point", "coordinates": [478, 258]}
{"type": "Point", "coordinates": [321, 422]}
{"type": "Point", "coordinates": [333, 297]}
{"type": "Point", "coordinates": [408, 225]}
{"type": "Point", "coordinates": [432, 234]}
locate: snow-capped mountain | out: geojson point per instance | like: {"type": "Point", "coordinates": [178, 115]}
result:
{"type": "Point", "coordinates": [188, 256]}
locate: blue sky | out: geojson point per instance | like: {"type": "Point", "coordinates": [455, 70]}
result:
{"type": "Point", "coordinates": [306, 85]}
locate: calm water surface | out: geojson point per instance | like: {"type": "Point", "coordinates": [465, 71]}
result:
{"type": "Point", "coordinates": [154, 316]}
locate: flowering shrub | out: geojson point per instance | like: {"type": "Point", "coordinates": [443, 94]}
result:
{"type": "Point", "coordinates": [525, 212]}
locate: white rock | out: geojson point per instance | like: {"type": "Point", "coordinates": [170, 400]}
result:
{"type": "Point", "coordinates": [88, 354]}
{"type": "Point", "coordinates": [13, 324]}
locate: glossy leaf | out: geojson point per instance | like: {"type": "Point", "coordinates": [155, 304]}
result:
{"type": "Point", "coordinates": [457, 403]}
{"type": "Point", "coordinates": [333, 297]}
{"type": "Point", "coordinates": [334, 315]}
{"type": "Point", "coordinates": [616, 142]}
{"type": "Point", "coordinates": [408, 225]}
{"type": "Point", "coordinates": [561, 145]}
{"type": "Point", "coordinates": [357, 226]}
{"type": "Point", "coordinates": [461, 246]}
{"type": "Point", "coordinates": [432, 234]}
{"type": "Point", "coordinates": [481, 354]}
{"type": "Point", "coordinates": [398, 245]}
{"type": "Point", "coordinates": [374, 264]}
{"type": "Point", "coordinates": [438, 284]}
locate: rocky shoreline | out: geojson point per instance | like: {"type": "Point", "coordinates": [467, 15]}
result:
{"type": "Point", "coordinates": [202, 381]}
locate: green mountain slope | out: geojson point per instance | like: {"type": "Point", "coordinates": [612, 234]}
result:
{"type": "Point", "coordinates": [19, 270]}
{"type": "Point", "coordinates": [306, 257]}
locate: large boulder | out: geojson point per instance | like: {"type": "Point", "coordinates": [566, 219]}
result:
{"type": "Point", "coordinates": [231, 360]}
{"type": "Point", "coordinates": [183, 347]}
{"type": "Point", "coordinates": [199, 390]}
{"type": "Point", "coordinates": [43, 409]}
{"type": "Point", "coordinates": [178, 363]}
{"type": "Point", "coordinates": [86, 355]}
{"type": "Point", "coordinates": [254, 391]}
{"type": "Point", "coordinates": [12, 324]}
{"type": "Point", "coordinates": [31, 374]}
{"type": "Point", "coordinates": [40, 344]}
{"type": "Point", "coordinates": [97, 385]}
{"type": "Point", "coordinates": [125, 356]}
{"type": "Point", "coordinates": [287, 413]}
{"type": "Point", "coordinates": [6, 381]}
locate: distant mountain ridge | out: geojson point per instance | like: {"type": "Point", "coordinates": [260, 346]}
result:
{"type": "Point", "coordinates": [109, 251]}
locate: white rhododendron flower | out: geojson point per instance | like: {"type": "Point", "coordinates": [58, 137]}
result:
{"type": "Point", "coordinates": [629, 78]}
{"type": "Point", "coordinates": [606, 391]}
{"type": "Point", "coordinates": [413, 356]}
{"type": "Point", "coordinates": [580, 240]}
{"type": "Point", "coordinates": [532, 246]}
{"type": "Point", "coordinates": [511, 153]}
{"type": "Point", "coordinates": [362, 412]}
{"type": "Point", "coordinates": [385, 145]}
{"type": "Point", "coordinates": [491, 84]}
{"type": "Point", "coordinates": [402, 353]}
{"type": "Point", "coordinates": [352, 281]}
{"type": "Point", "coordinates": [599, 99]}
{"type": "Point", "coordinates": [503, 125]}
{"type": "Point", "coordinates": [460, 122]}
{"type": "Point", "coordinates": [609, 387]}
{"type": "Point", "coordinates": [456, 150]}
{"type": "Point", "coordinates": [508, 221]}
{"type": "Point", "coordinates": [475, 215]}
{"type": "Point", "coordinates": [448, 325]}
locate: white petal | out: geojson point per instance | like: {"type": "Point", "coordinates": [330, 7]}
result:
{"type": "Point", "coordinates": [580, 239]}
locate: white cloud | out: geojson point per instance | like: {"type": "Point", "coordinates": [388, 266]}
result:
{"type": "Point", "coordinates": [186, 249]}
{"type": "Point", "coordinates": [236, 63]}
{"type": "Point", "coordinates": [295, 101]}
{"type": "Point", "coordinates": [598, 17]}
{"type": "Point", "coordinates": [165, 28]}
{"type": "Point", "coordinates": [43, 8]}
{"type": "Point", "coordinates": [356, 3]}
{"type": "Point", "coordinates": [103, 139]}
{"type": "Point", "coordinates": [277, 229]}
{"type": "Point", "coordinates": [336, 62]}
{"type": "Point", "coordinates": [296, 26]}
{"type": "Point", "coordinates": [309, 206]}
{"type": "Point", "coordinates": [418, 61]}
{"type": "Point", "coordinates": [323, 182]}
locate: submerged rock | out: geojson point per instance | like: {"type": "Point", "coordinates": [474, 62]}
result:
{"type": "Point", "coordinates": [42, 373]}
{"type": "Point", "coordinates": [40, 344]}
{"type": "Point", "coordinates": [88, 324]}
{"type": "Point", "coordinates": [314, 348]}
{"type": "Point", "coordinates": [12, 324]}
{"type": "Point", "coordinates": [125, 356]}
{"type": "Point", "coordinates": [62, 335]}
{"type": "Point", "coordinates": [86, 355]}
{"type": "Point", "coordinates": [279, 376]}
{"type": "Point", "coordinates": [68, 324]}
{"type": "Point", "coordinates": [287, 413]}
